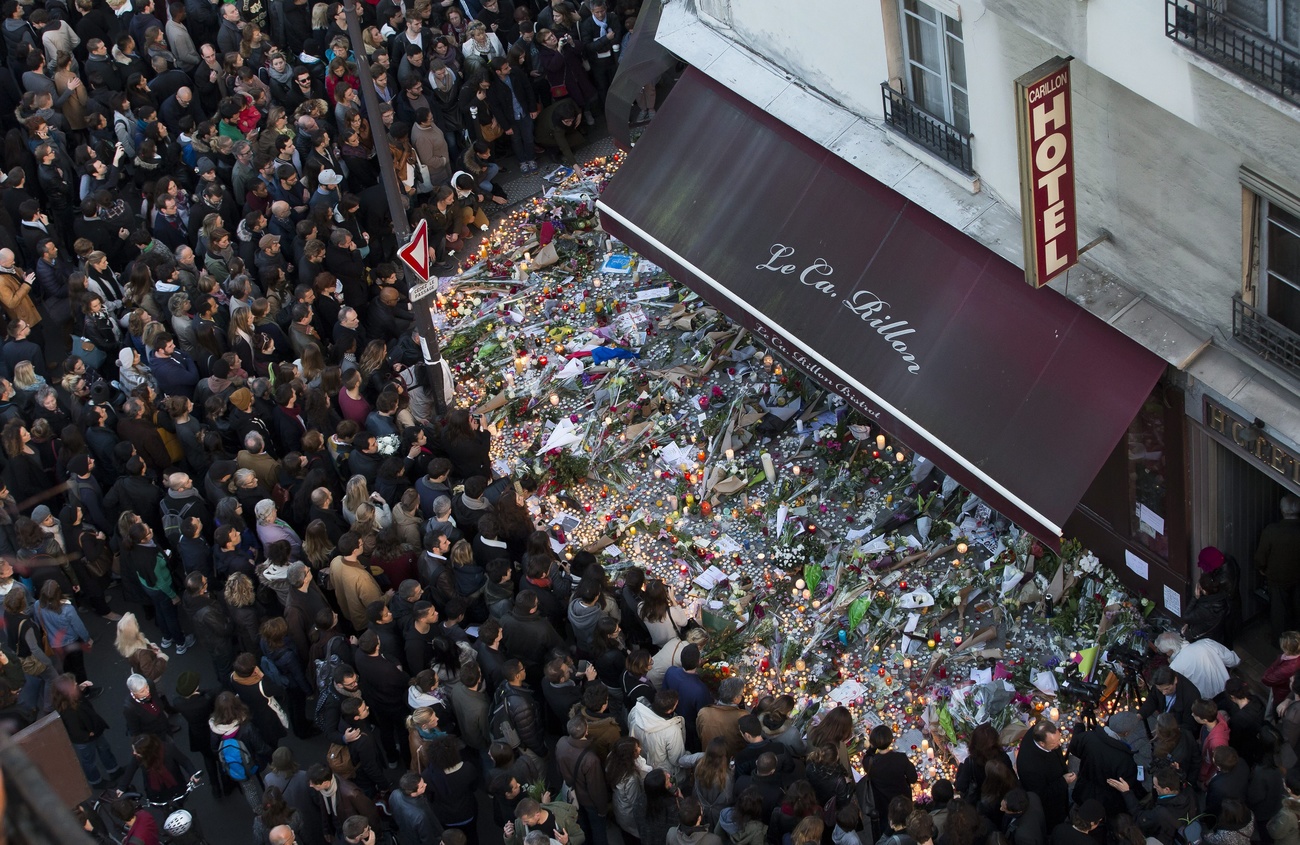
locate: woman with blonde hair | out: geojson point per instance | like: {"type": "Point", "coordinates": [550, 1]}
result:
{"type": "Point", "coordinates": [26, 379]}
{"type": "Point", "coordinates": [145, 657]}
{"type": "Point", "coordinates": [358, 493]}
{"type": "Point", "coordinates": [421, 729]}
{"type": "Point", "coordinates": [241, 604]}
{"type": "Point", "coordinates": [715, 785]}
{"type": "Point", "coordinates": [370, 521]}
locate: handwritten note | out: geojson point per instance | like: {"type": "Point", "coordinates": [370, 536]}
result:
{"type": "Point", "coordinates": [1173, 601]}
{"type": "Point", "coordinates": [1137, 564]}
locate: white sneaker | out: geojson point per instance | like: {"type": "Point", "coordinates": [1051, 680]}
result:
{"type": "Point", "coordinates": [166, 643]}
{"type": "Point", "coordinates": [185, 646]}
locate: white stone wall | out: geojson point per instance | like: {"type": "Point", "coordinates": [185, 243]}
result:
{"type": "Point", "coordinates": [1159, 138]}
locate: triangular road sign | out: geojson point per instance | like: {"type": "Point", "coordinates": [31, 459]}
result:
{"type": "Point", "coordinates": [416, 252]}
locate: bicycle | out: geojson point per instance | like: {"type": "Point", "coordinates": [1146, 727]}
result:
{"type": "Point", "coordinates": [176, 824]}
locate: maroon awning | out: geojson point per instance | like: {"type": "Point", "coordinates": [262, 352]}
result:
{"type": "Point", "coordinates": [1018, 394]}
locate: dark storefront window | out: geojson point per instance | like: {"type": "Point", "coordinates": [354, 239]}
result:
{"type": "Point", "coordinates": [1148, 483]}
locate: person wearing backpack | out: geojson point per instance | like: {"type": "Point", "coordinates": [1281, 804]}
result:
{"type": "Point", "coordinates": [516, 717]}
{"type": "Point", "coordinates": [282, 665]}
{"type": "Point", "coordinates": [213, 630]}
{"type": "Point", "coordinates": [181, 501]}
{"type": "Point", "coordinates": [239, 747]}
{"type": "Point", "coordinates": [329, 705]}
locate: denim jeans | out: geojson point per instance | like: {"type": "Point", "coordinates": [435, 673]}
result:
{"type": "Point", "coordinates": [89, 752]}
{"type": "Point", "coordinates": [492, 170]}
{"type": "Point", "coordinates": [166, 617]}
{"type": "Point", "coordinates": [522, 138]}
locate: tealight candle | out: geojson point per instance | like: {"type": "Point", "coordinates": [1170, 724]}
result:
{"type": "Point", "coordinates": [795, 470]}
{"type": "Point", "coordinates": [900, 457]}
{"type": "Point", "coordinates": [962, 548]}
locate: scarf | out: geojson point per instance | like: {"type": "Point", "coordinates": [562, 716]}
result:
{"type": "Point", "coordinates": [160, 778]}
{"type": "Point", "coordinates": [444, 88]}
{"type": "Point", "coordinates": [285, 77]}
{"type": "Point", "coordinates": [218, 385]}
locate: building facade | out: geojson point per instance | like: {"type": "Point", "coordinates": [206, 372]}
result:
{"type": "Point", "coordinates": [1187, 173]}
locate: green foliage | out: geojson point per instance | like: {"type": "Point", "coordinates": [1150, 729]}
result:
{"type": "Point", "coordinates": [857, 612]}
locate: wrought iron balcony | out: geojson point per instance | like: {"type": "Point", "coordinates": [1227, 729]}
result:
{"type": "Point", "coordinates": [927, 130]}
{"type": "Point", "coordinates": [1251, 54]}
{"type": "Point", "coordinates": [1265, 336]}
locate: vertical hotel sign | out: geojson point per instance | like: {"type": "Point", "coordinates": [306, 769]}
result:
{"type": "Point", "coordinates": [1046, 136]}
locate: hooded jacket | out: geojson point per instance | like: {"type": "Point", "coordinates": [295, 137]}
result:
{"type": "Point", "coordinates": [583, 619]}
{"type": "Point", "coordinates": [662, 740]}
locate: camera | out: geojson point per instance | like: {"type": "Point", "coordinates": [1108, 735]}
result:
{"type": "Point", "coordinates": [1081, 690]}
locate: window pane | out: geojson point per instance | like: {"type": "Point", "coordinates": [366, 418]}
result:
{"type": "Point", "coordinates": [960, 110]}
{"type": "Point", "coordinates": [1291, 22]}
{"type": "Point", "coordinates": [923, 44]}
{"type": "Point", "coordinates": [957, 62]}
{"type": "Point", "coordinates": [1283, 303]}
{"type": "Point", "coordinates": [953, 26]}
{"type": "Point", "coordinates": [1253, 12]}
{"type": "Point", "coordinates": [1283, 251]}
{"type": "Point", "coordinates": [917, 8]}
{"type": "Point", "coordinates": [927, 90]}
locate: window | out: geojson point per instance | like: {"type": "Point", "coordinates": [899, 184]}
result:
{"type": "Point", "coordinates": [1279, 19]}
{"type": "Point", "coordinates": [935, 58]}
{"type": "Point", "coordinates": [1279, 264]}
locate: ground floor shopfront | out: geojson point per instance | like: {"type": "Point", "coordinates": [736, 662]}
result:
{"type": "Point", "coordinates": [1055, 419]}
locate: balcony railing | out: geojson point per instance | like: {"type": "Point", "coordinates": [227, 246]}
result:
{"type": "Point", "coordinates": [1240, 48]}
{"type": "Point", "coordinates": [1265, 336]}
{"type": "Point", "coordinates": [925, 129]}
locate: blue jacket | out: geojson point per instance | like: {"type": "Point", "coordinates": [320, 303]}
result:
{"type": "Point", "coordinates": [176, 374]}
{"type": "Point", "coordinates": [692, 695]}
{"type": "Point", "coordinates": [64, 628]}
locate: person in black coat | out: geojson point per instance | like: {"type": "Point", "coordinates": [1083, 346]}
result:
{"type": "Point", "coordinates": [261, 696]}
{"type": "Point", "coordinates": [1023, 822]}
{"type": "Point", "coordinates": [467, 445]}
{"type": "Point", "coordinates": [1044, 772]}
{"type": "Point", "coordinates": [1230, 781]}
{"type": "Point", "coordinates": [1105, 755]}
{"type": "Point", "coordinates": [1166, 684]}
{"type": "Point", "coordinates": [525, 712]}
{"type": "Point", "coordinates": [1084, 820]}
{"type": "Point", "coordinates": [372, 775]}
{"type": "Point", "coordinates": [144, 711]}
{"type": "Point", "coordinates": [889, 773]}
{"type": "Point", "coordinates": [195, 707]}
{"type": "Point", "coordinates": [384, 687]}
{"type": "Point", "coordinates": [511, 87]}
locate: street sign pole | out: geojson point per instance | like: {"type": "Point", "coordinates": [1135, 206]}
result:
{"type": "Point", "coordinates": [421, 310]}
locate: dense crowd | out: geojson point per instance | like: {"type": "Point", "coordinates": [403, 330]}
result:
{"type": "Point", "coordinates": [215, 409]}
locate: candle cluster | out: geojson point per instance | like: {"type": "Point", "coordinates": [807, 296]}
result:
{"type": "Point", "coordinates": [668, 438]}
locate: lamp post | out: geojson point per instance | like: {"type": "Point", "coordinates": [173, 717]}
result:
{"type": "Point", "coordinates": [422, 311]}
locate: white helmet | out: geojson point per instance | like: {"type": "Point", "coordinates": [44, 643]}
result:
{"type": "Point", "coordinates": [178, 823]}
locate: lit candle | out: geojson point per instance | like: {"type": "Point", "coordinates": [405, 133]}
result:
{"type": "Point", "coordinates": [880, 441]}
{"type": "Point", "coordinates": [795, 470]}
{"type": "Point", "coordinates": [962, 548]}
{"type": "Point", "coordinates": [555, 400]}
{"type": "Point", "coordinates": [769, 468]}
{"type": "Point", "coordinates": [731, 454]}
{"type": "Point", "coordinates": [1055, 714]}
{"type": "Point", "coordinates": [799, 584]}
{"type": "Point", "coordinates": [900, 457]}
{"type": "Point", "coordinates": [510, 379]}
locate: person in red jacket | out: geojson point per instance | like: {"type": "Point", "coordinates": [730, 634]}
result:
{"type": "Point", "coordinates": [1277, 676]}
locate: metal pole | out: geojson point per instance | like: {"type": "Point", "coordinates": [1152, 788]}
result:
{"type": "Point", "coordinates": [393, 191]}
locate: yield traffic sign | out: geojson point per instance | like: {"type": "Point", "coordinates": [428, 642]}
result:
{"type": "Point", "coordinates": [416, 252]}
